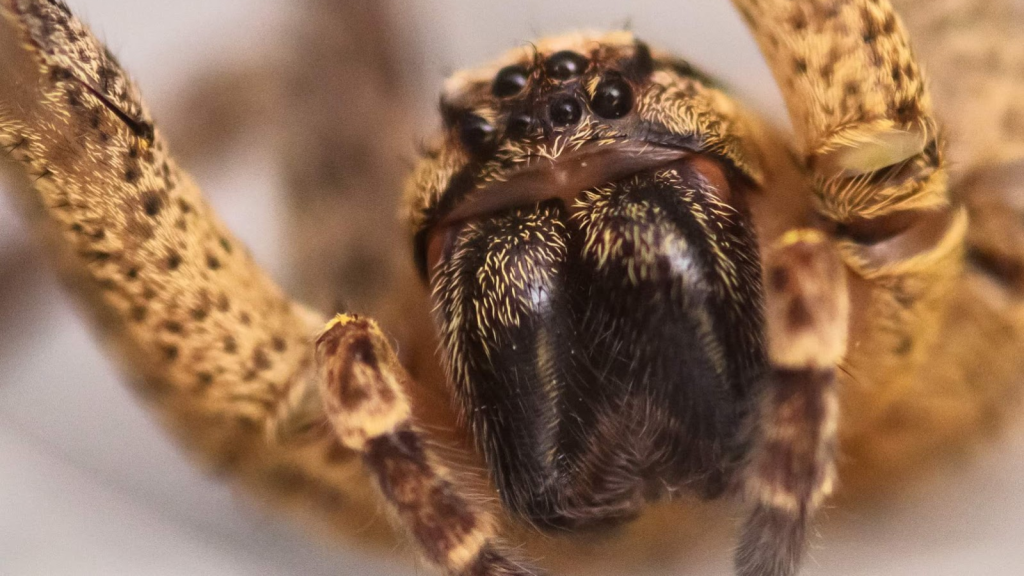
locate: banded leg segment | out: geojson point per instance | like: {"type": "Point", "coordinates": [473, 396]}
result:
{"type": "Point", "coordinates": [791, 467]}
{"type": "Point", "coordinates": [362, 386]}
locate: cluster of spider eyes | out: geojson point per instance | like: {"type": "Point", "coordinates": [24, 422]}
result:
{"type": "Point", "coordinates": [612, 99]}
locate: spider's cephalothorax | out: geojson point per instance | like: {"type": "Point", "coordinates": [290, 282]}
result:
{"type": "Point", "coordinates": [595, 275]}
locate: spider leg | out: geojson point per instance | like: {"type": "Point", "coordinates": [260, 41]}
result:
{"type": "Point", "coordinates": [791, 465]}
{"type": "Point", "coordinates": [357, 97]}
{"type": "Point", "coordinates": [875, 157]}
{"type": "Point", "coordinates": [211, 342]}
{"type": "Point", "coordinates": [854, 92]}
{"type": "Point", "coordinates": [207, 333]}
{"type": "Point", "coordinates": [362, 387]}
{"type": "Point", "coordinates": [338, 99]}
{"type": "Point", "coordinates": [864, 124]}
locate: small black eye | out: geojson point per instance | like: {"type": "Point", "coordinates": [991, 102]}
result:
{"type": "Point", "coordinates": [519, 125]}
{"type": "Point", "coordinates": [510, 81]}
{"type": "Point", "coordinates": [565, 65]}
{"type": "Point", "coordinates": [565, 111]}
{"type": "Point", "coordinates": [613, 98]}
{"type": "Point", "coordinates": [477, 134]}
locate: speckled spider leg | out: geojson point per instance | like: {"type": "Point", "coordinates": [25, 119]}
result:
{"type": "Point", "coordinates": [864, 124]}
{"type": "Point", "coordinates": [212, 343]}
{"type": "Point", "coordinates": [791, 467]}
{"type": "Point", "coordinates": [872, 150]}
{"type": "Point", "coordinates": [363, 389]}
{"type": "Point", "coordinates": [873, 154]}
{"type": "Point", "coordinates": [133, 231]}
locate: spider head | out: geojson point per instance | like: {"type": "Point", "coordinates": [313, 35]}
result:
{"type": "Point", "coordinates": [581, 221]}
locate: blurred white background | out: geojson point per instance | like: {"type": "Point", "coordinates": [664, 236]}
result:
{"type": "Point", "coordinates": [89, 484]}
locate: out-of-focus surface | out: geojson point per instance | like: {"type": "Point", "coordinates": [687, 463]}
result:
{"type": "Point", "coordinates": [90, 485]}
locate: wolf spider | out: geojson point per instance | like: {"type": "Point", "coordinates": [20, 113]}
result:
{"type": "Point", "coordinates": [640, 288]}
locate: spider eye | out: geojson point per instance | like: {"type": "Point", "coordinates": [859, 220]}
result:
{"type": "Point", "coordinates": [565, 111]}
{"type": "Point", "coordinates": [613, 98]}
{"type": "Point", "coordinates": [477, 134]}
{"type": "Point", "coordinates": [519, 125]}
{"type": "Point", "coordinates": [565, 65]}
{"type": "Point", "coordinates": [510, 81]}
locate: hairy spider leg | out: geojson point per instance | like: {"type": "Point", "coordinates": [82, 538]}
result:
{"type": "Point", "coordinates": [790, 469]}
{"type": "Point", "coordinates": [362, 388]}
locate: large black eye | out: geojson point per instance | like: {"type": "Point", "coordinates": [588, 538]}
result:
{"type": "Point", "coordinates": [477, 134]}
{"type": "Point", "coordinates": [510, 81]}
{"type": "Point", "coordinates": [565, 111]}
{"type": "Point", "coordinates": [613, 98]}
{"type": "Point", "coordinates": [565, 65]}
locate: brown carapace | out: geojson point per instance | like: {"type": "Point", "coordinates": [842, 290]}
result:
{"type": "Point", "coordinates": [640, 288]}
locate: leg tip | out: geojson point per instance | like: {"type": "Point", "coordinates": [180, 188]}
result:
{"type": "Point", "coordinates": [772, 543]}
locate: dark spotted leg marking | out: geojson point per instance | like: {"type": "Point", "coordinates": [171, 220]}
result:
{"type": "Point", "coordinates": [791, 467]}
{"type": "Point", "coordinates": [206, 334]}
{"type": "Point", "coordinates": [362, 385]}
{"type": "Point", "coordinates": [207, 337]}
